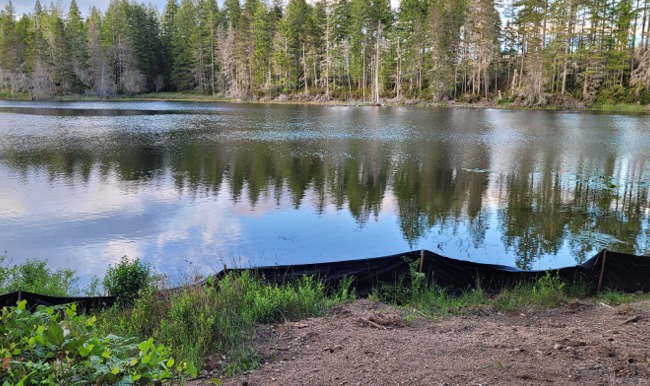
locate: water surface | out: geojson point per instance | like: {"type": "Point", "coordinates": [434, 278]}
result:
{"type": "Point", "coordinates": [194, 186]}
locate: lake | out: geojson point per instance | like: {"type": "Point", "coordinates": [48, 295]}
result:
{"type": "Point", "coordinates": [191, 187]}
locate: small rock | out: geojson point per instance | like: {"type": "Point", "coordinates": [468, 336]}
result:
{"type": "Point", "coordinates": [558, 346]}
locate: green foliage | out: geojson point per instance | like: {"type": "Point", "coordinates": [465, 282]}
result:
{"type": "Point", "coordinates": [56, 346]}
{"type": "Point", "coordinates": [127, 278]}
{"type": "Point", "coordinates": [616, 298]}
{"type": "Point", "coordinates": [472, 48]}
{"type": "Point", "coordinates": [548, 291]}
{"type": "Point", "coordinates": [35, 276]}
{"type": "Point", "coordinates": [413, 290]}
{"type": "Point", "coordinates": [221, 319]}
{"type": "Point", "coordinates": [621, 107]}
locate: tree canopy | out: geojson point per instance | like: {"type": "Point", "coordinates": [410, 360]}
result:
{"type": "Point", "coordinates": [534, 52]}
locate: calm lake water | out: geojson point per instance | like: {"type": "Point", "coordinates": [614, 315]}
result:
{"type": "Point", "coordinates": [191, 186]}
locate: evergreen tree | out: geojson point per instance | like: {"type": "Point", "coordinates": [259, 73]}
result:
{"type": "Point", "coordinates": [12, 77]}
{"type": "Point", "coordinates": [118, 39]}
{"type": "Point", "coordinates": [183, 46]}
{"type": "Point", "coordinates": [77, 41]}
{"type": "Point", "coordinates": [168, 34]}
{"type": "Point", "coordinates": [208, 45]}
{"type": "Point", "coordinates": [99, 70]}
{"type": "Point", "coordinates": [261, 48]}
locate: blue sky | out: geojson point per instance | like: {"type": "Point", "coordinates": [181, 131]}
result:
{"type": "Point", "coordinates": [27, 6]}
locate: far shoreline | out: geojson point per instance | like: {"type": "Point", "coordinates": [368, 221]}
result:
{"type": "Point", "coordinates": [315, 101]}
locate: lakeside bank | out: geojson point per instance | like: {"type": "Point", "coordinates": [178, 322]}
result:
{"type": "Point", "coordinates": [504, 103]}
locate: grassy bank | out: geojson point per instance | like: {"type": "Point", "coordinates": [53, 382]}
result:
{"type": "Point", "coordinates": [213, 325]}
{"type": "Point", "coordinates": [612, 107]}
{"type": "Point", "coordinates": [620, 108]}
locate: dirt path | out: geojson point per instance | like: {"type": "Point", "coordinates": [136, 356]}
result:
{"type": "Point", "coordinates": [372, 344]}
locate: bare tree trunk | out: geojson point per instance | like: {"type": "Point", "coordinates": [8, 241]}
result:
{"type": "Point", "coordinates": [521, 69]}
{"type": "Point", "coordinates": [328, 59]}
{"type": "Point", "coordinates": [363, 77]}
{"type": "Point", "coordinates": [567, 46]}
{"type": "Point", "coordinates": [377, 58]}
{"type": "Point", "coordinates": [398, 72]}
{"type": "Point", "coordinates": [304, 69]}
{"type": "Point", "coordinates": [213, 82]}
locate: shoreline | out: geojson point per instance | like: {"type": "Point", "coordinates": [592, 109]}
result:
{"type": "Point", "coordinates": [187, 97]}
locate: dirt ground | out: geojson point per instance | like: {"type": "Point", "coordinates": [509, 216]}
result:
{"type": "Point", "coordinates": [583, 343]}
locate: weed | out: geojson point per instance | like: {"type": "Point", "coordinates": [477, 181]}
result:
{"type": "Point", "coordinates": [35, 276]}
{"type": "Point", "coordinates": [616, 298]}
{"type": "Point", "coordinates": [56, 346]}
{"type": "Point", "coordinates": [621, 107]}
{"type": "Point", "coordinates": [127, 278]}
{"type": "Point", "coordinates": [220, 319]}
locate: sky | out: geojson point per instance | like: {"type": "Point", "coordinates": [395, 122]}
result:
{"type": "Point", "coordinates": [27, 6]}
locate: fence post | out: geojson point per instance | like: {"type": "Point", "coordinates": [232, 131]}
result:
{"type": "Point", "coordinates": [421, 260]}
{"type": "Point", "coordinates": [602, 270]}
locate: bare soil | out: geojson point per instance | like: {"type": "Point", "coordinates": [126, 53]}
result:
{"type": "Point", "coordinates": [364, 343]}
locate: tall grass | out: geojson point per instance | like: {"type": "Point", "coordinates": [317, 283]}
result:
{"type": "Point", "coordinates": [414, 291]}
{"type": "Point", "coordinates": [220, 319]}
{"type": "Point", "coordinates": [214, 324]}
{"type": "Point", "coordinates": [620, 107]}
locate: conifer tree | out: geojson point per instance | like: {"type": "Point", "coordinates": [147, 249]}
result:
{"type": "Point", "coordinates": [12, 76]}
{"type": "Point", "coordinates": [77, 42]}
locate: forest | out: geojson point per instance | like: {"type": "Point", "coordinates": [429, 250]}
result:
{"type": "Point", "coordinates": [566, 53]}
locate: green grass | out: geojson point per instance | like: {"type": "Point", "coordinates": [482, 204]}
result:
{"type": "Point", "coordinates": [616, 298]}
{"type": "Point", "coordinates": [429, 299]}
{"type": "Point", "coordinates": [57, 346]}
{"type": "Point", "coordinates": [218, 320]}
{"type": "Point", "coordinates": [620, 107]}
{"type": "Point", "coordinates": [180, 96]}
{"type": "Point", "coordinates": [189, 96]}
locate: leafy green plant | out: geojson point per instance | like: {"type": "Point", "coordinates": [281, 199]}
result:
{"type": "Point", "coordinates": [128, 277]}
{"type": "Point", "coordinates": [36, 276]}
{"type": "Point", "coordinates": [56, 346]}
{"type": "Point", "coordinates": [219, 318]}
{"type": "Point", "coordinates": [548, 290]}
{"type": "Point", "coordinates": [615, 297]}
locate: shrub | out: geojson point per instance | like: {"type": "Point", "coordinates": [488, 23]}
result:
{"type": "Point", "coordinates": [127, 278]}
{"type": "Point", "coordinates": [35, 276]}
{"type": "Point", "coordinates": [220, 318]}
{"type": "Point", "coordinates": [55, 346]}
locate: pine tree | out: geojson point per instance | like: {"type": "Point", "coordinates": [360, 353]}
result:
{"type": "Point", "coordinates": [168, 33]}
{"type": "Point", "coordinates": [77, 41]}
{"type": "Point", "coordinates": [296, 15]}
{"type": "Point", "coordinates": [117, 38]}
{"type": "Point", "coordinates": [445, 21]}
{"type": "Point", "coordinates": [482, 29]}
{"type": "Point", "coordinates": [99, 71]}
{"type": "Point", "coordinates": [208, 24]}
{"type": "Point", "coordinates": [183, 46]}
{"type": "Point", "coordinates": [12, 77]}
{"type": "Point", "coordinates": [261, 48]}
{"type": "Point", "coordinates": [281, 60]}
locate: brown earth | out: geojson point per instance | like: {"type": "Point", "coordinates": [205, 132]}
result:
{"type": "Point", "coordinates": [364, 343]}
